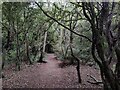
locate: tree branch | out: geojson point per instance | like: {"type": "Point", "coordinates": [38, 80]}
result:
{"type": "Point", "coordinates": [62, 24]}
{"type": "Point", "coordinates": [96, 81]}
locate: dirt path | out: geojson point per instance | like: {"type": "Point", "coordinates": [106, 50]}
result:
{"type": "Point", "coordinates": [49, 75]}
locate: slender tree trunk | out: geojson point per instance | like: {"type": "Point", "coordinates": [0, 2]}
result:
{"type": "Point", "coordinates": [78, 71]}
{"type": "Point", "coordinates": [27, 50]}
{"type": "Point", "coordinates": [78, 66]}
{"type": "Point", "coordinates": [44, 44]}
{"type": "Point", "coordinates": [60, 40]}
{"type": "Point", "coordinates": [17, 54]}
{"type": "Point", "coordinates": [71, 41]}
{"type": "Point", "coordinates": [42, 51]}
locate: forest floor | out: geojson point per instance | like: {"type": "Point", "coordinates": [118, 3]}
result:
{"type": "Point", "coordinates": [49, 75]}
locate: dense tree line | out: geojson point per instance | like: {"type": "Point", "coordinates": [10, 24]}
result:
{"type": "Point", "coordinates": [79, 31]}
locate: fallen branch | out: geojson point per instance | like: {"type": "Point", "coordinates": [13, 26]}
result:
{"type": "Point", "coordinates": [95, 81]}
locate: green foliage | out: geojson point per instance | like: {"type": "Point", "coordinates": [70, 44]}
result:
{"type": "Point", "coordinates": [22, 19]}
{"type": "Point", "coordinates": [28, 22]}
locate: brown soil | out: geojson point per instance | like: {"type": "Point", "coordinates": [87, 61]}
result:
{"type": "Point", "coordinates": [49, 75]}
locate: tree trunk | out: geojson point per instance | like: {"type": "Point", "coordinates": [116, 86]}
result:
{"type": "Point", "coordinates": [41, 57]}
{"type": "Point", "coordinates": [78, 71]}
{"type": "Point", "coordinates": [107, 72]}
{"type": "Point", "coordinates": [44, 44]}
{"type": "Point", "coordinates": [117, 69]}
{"type": "Point", "coordinates": [117, 50]}
{"type": "Point", "coordinates": [27, 50]}
{"type": "Point", "coordinates": [78, 66]}
{"type": "Point", "coordinates": [17, 54]}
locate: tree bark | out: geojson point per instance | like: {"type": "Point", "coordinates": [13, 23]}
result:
{"type": "Point", "coordinates": [17, 54]}
{"type": "Point", "coordinates": [78, 66]}
{"type": "Point", "coordinates": [44, 44]}
{"type": "Point", "coordinates": [27, 50]}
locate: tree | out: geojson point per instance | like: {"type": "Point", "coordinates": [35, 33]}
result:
{"type": "Point", "coordinates": [21, 30]}
{"type": "Point", "coordinates": [101, 25]}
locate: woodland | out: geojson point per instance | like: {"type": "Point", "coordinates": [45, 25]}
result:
{"type": "Point", "coordinates": [61, 45]}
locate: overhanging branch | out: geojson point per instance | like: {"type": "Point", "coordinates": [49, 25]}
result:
{"type": "Point", "coordinates": [62, 24]}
